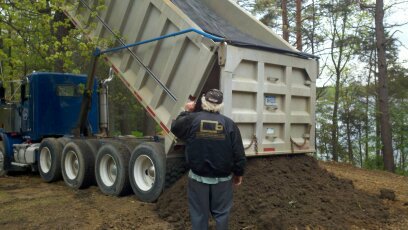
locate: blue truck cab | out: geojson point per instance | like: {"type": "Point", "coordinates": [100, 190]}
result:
{"type": "Point", "coordinates": [49, 105]}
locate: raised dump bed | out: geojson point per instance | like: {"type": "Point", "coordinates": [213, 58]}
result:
{"type": "Point", "coordinates": [268, 86]}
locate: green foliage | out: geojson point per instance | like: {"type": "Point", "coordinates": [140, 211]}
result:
{"type": "Point", "coordinates": [398, 84]}
{"type": "Point", "coordinates": [401, 171]}
{"type": "Point", "coordinates": [115, 133]}
{"type": "Point", "coordinates": [374, 162]}
{"type": "Point", "coordinates": [127, 116]}
{"type": "Point", "coordinates": [269, 12]}
{"type": "Point", "coordinates": [137, 133]}
{"type": "Point", "coordinates": [323, 126]}
{"type": "Point", "coordinates": [37, 36]}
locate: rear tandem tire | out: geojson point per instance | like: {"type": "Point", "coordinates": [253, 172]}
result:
{"type": "Point", "coordinates": [49, 163]}
{"type": "Point", "coordinates": [111, 169]}
{"type": "Point", "coordinates": [63, 140]}
{"type": "Point", "coordinates": [147, 171]}
{"type": "Point", "coordinates": [77, 164]}
{"type": "Point", "coordinates": [3, 156]}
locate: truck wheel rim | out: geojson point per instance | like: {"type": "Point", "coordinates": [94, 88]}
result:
{"type": "Point", "coordinates": [45, 159]}
{"type": "Point", "coordinates": [108, 170]}
{"type": "Point", "coordinates": [144, 173]}
{"type": "Point", "coordinates": [72, 165]}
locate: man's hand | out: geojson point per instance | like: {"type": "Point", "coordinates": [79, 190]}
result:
{"type": "Point", "coordinates": [189, 106]}
{"type": "Point", "coordinates": [237, 180]}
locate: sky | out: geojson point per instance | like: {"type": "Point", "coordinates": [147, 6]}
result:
{"type": "Point", "coordinates": [395, 15]}
{"type": "Point", "coordinates": [398, 14]}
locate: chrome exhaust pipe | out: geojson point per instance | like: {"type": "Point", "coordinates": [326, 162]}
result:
{"type": "Point", "coordinates": [103, 105]}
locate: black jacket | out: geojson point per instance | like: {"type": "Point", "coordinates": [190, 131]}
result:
{"type": "Point", "coordinates": [213, 143]}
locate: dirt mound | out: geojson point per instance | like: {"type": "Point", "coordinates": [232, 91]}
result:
{"type": "Point", "coordinates": [287, 192]}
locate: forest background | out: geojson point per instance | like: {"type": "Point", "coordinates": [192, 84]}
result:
{"type": "Point", "coordinates": [362, 96]}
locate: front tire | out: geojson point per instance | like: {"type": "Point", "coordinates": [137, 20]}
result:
{"type": "Point", "coordinates": [111, 169]}
{"type": "Point", "coordinates": [77, 164]}
{"type": "Point", "coordinates": [147, 171]}
{"type": "Point", "coordinates": [3, 156]}
{"type": "Point", "coordinates": [49, 164]}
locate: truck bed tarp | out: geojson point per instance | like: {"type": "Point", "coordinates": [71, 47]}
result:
{"type": "Point", "coordinates": [215, 24]}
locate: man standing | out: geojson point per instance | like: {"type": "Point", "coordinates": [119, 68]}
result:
{"type": "Point", "coordinates": [215, 156]}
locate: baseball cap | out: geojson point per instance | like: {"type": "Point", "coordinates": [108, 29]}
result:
{"type": "Point", "coordinates": [214, 96]}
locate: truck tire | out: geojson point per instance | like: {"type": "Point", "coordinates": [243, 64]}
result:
{"type": "Point", "coordinates": [111, 169]}
{"type": "Point", "coordinates": [94, 145]}
{"type": "Point", "coordinates": [3, 156]}
{"type": "Point", "coordinates": [77, 164]}
{"type": "Point", "coordinates": [49, 163]}
{"type": "Point", "coordinates": [63, 140]}
{"type": "Point", "coordinates": [147, 171]}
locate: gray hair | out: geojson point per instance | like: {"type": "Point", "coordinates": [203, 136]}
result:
{"type": "Point", "coordinates": [211, 107]}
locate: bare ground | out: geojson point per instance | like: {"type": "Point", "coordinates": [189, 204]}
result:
{"type": "Point", "coordinates": [278, 193]}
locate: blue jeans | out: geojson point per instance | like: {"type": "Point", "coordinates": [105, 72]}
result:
{"type": "Point", "coordinates": [204, 199]}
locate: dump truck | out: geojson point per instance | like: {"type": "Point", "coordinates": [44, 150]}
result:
{"type": "Point", "coordinates": [164, 52]}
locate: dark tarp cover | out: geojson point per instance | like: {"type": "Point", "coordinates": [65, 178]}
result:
{"type": "Point", "coordinates": [215, 24]}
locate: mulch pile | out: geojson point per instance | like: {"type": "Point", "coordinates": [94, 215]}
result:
{"type": "Point", "coordinates": [286, 192]}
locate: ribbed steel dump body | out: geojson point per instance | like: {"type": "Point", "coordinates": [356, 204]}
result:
{"type": "Point", "coordinates": [271, 95]}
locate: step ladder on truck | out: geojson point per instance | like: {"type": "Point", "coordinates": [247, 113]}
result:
{"type": "Point", "coordinates": [167, 51]}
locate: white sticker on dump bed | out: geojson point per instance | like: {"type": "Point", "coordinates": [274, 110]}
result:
{"type": "Point", "coordinates": [270, 131]}
{"type": "Point", "coordinates": [270, 100]}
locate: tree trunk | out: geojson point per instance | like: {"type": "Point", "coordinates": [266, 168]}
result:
{"type": "Point", "coordinates": [334, 131]}
{"type": "Point", "coordinates": [313, 26]}
{"type": "Point", "coordinates": [403, 159]}
{"type": "Point", "coordinates": [349, 142]}
{"type": "Point", "coordinates": [402, 139]}
{"type": "Point", "coordinates": [299, 25]}
{"type": "Point", "coordinates": [378, 152]}
{"type": "Point", "coordinates": [11, 66]}
{"type": "Point", "coordinates": [327, 152]}
{"type": "Point", "coordinates": [403, 152]}
{"type": "Point", "coordinates": [1, 61]}
{"type": "Point", "coordinates": [366, 123]}
{"type": "Point", "coordinates": [386, 136]}
{"type": "Point", "coordinates": [285, 22]}
{"type": "Point", "coordinates": [367, 102]}
{"type": "Point", "coordinates": [360, 146]}
{"type": "Point", "coordinates": [339, 61]}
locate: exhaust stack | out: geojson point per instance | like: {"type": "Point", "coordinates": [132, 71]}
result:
{"type": "Point", "coordinates": [103, 105]}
